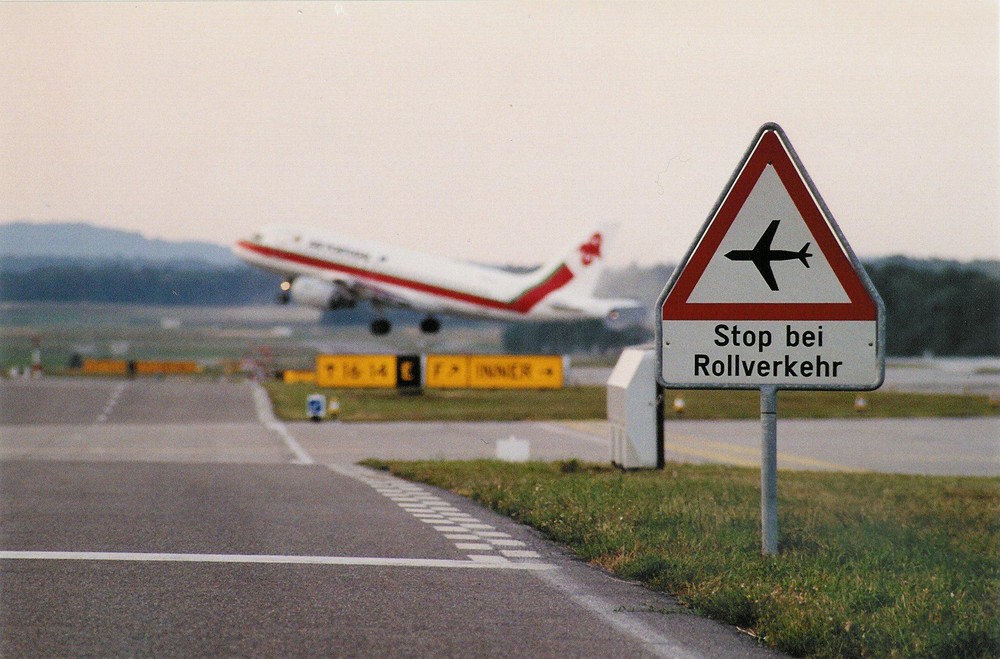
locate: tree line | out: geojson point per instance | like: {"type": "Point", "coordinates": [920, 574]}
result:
{"type": "Point", "coordinates": [932, 307]}
{"type": "Point", "coordinates": [936, 307]}
{"type": "Point", "coordinates": [122, 282]}
{"type": "Point", "coordinates": [939, 309]}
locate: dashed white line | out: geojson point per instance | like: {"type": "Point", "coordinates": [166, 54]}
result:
{"type": "Point", "coordinates": [112, 402]}
{"type": "Point", "coordinates": [519, 553]}
{"type": "Point", "coordinates": [490, 559]}
{"type": "Point", "coordinates": [469, 546]}
{"type": "Point", "coordinates": [466, 531]}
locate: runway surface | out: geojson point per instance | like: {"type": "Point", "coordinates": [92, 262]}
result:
{"type": "Point", "coordinates": [178, 518]}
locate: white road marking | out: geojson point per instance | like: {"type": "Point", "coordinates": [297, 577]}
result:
{"type": "Point", "coordinates": [112, 402]}
{"type": "Point", "coordinates": [263, 558]}
{"type": "Point", "coordinates": [466, 531]}
{"type": "Point", "coordinates": [657, 643]}
{"type": "Point", "coordinates": [607, 610]}
{"type": "Point", "coordinates": [263, 406]}
{"type": "Point", "coordinates": [519, 553]}
{"type": "Point", "coordinates": [469, 546]}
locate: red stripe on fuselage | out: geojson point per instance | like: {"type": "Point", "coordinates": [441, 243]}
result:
{"type": "Point", "coordinates": [523, 303]}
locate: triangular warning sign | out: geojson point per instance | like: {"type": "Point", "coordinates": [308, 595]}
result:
{"type": "Point", "coordinates": [770, 250]}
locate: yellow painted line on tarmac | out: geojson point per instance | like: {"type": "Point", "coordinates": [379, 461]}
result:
{"type": "Point", "coordinates": [708, 449]}
{"type": "Point", "coordinates": [593, 428]}
{"type": "Point", "coordinates": [736, 454]}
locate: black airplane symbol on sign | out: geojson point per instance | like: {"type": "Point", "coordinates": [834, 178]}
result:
{"type": "Point", "coordinates": [762, 255]}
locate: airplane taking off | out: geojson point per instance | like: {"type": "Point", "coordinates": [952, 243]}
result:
{"type": "Point", "coordinates": [762, 255]}
{"type": "Point", "coordinates": [330, 271]}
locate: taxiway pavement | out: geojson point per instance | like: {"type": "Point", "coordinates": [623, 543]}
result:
{"type": "Point", "coordinates": [177, 518]}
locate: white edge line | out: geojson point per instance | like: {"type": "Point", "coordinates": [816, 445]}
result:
{"type": "Point", "coordinates": [655, 642]}
{"type": "Point", "coordinates": [263, 558]}
{"type": "Point", "coordinates": [266, 416]}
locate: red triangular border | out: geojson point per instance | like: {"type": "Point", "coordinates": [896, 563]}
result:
{"type": "Point", "coordinates": [769, 150]}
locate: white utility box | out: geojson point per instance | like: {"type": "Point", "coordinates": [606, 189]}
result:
{"type": "Point", "coordinates": [513, 450]}
{"type": "Point", "coordinates": [635, 411]}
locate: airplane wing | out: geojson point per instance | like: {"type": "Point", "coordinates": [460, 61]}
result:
{"type": "Point", "coordinates": [764, 244]}
{"type": "Point", "coordinates": [764, 268]}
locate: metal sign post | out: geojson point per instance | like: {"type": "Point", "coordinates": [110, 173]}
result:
{"type": "Point", "coordinates": [769, 470]}
{"type": "Point", "coordinates": [770, 296]}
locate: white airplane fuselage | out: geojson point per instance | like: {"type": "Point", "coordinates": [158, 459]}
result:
{"type": "Point", "coordinates": [330, 271]}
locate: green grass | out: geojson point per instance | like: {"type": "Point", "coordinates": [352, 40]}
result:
{"type": "Point", "coordinates": [447, 405]}
{"type": "Point", "coordinates": [589, 403]}
{"type": "Point", "coordinates": [870, 565]}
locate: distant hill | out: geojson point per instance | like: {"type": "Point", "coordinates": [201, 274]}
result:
{"type": "Point", "coordinates": [28, 243]}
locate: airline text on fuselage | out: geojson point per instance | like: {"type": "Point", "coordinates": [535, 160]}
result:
{"type": "Point", "coordinates": [339, 251]}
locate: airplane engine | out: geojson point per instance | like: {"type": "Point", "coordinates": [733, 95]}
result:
{"type": "Point", "coordinates": [626, 317]}
{"type": "Point", "coordinates": [316, 293]}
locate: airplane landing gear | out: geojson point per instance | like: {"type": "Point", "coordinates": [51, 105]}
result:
{"type": "Point", "coordinates": [430, 325]}
{"type": "Point", "coordinates": [380, 327]}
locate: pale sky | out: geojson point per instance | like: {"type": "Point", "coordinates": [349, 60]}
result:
{"type": "Point", "coordinates": [499, 132]}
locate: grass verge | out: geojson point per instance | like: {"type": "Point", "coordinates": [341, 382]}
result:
{"type": "Point", "coordinates": [289, 402]}
{"type": "Point", "coordinates": [589, 403]}
{"type": "Point", "coordinates": [870, 564]}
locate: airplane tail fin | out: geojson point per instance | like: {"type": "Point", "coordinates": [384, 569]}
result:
{"type": "Point", "coordinates": [803, 254]}
{"type": "Point", "coordinates": [585, 259]}
{"type": "Point", "coordinates": [578, 271]}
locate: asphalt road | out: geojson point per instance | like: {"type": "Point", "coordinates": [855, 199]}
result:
{"type": "Point", "coordinates": [178, 518]}
{"type": "Point", "coordinates": [953, 447]}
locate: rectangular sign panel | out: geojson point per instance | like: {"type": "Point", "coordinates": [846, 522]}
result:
{"type": "Point", "coordinates": [447, 371]}
{"type": "Point", "coordinates": [105, 366]}
{"type": "Point", "coordinates": [166, 368]}
{"type": "Point", "coordinates": [515, 372]}
{"type": "Point", "coordinates": [297, 377]}
{"type": "Point", "coordinates": [408, 375]}
{"type": "Point", "coordinates": [789, 354]}
{"type": "Point", "coordinates": [356, 371]}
